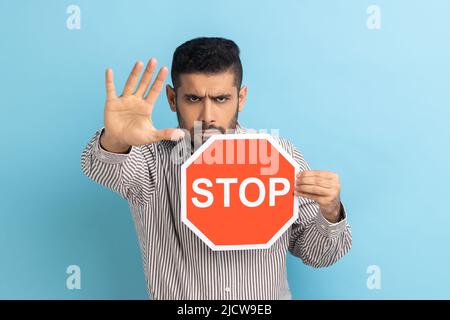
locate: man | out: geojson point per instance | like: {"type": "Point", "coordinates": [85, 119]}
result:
{"type": "Point", "coordinates": [133, 158]}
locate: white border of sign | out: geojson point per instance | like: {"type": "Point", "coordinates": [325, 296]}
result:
{"type": "Point", "coordinates": [198, 152]}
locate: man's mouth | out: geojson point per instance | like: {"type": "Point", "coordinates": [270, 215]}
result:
{"type": "Point", "coordinates": [206, 134]}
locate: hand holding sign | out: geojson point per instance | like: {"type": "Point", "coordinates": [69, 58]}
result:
{"type": "Point", "coordinates": [322, 187]}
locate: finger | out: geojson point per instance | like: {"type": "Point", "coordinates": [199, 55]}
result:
{"type": "Point", "coordinates": [109, 82]}
{"type": "Point", "coordinates": [132, 79]}
{"type": "Point", "coordinates": [167, 134]}
{"type": "Point", "coordinates": [313, 173]}
{"type": "Point", "coordinates": [314, 197]}
{"type": "Point", "coordinates": [316, 173]}
{"type": "Point", "coordinates": [316, 190]}
{"type": "Point", "coordinates": [157, 85]}
{"type": "Point", "coordinates": [146, 77]}
{"type": "Point", "coordinates": [316, 181]}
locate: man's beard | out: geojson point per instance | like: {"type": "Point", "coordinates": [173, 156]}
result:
{"type": "Point", "coordinates": [199, 133]}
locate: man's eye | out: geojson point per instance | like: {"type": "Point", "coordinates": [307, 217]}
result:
{"type": "Point", "coordinates": [221, 99]}
{"type": "Point", "coordinates": [194, 99]}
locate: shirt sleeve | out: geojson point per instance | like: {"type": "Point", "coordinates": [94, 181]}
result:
{"type": "Point", "coordinates": [132, 175]}
{"type": "Point", "coordinates": [315, 240]}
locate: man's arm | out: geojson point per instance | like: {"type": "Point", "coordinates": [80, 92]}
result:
{"type": "Point", "coordinates": [131, 174]}
{"type": "Point", "coordinates": [121, 156]}
{"type": "Point", "coordinates": [313, 238]}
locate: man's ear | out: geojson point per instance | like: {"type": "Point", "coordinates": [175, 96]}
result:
{"type": "Point", "coordinates": [171, 98]}
{"type": "Point", "coordinates": [242, 97]}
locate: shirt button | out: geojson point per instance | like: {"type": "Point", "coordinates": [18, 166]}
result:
{"type": "Point", "coordinates": [227, 289]}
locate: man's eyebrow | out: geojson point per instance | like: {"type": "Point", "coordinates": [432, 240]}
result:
{"type": "Point", "coordinates": [192, 95]}
{"type": "Point", "coordinates": [224, 95]}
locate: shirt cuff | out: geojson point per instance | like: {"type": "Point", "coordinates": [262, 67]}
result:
{"type": "Point", "coordinates": [329, 229]}
{"type": "Point", "coordinates": [106, 156]}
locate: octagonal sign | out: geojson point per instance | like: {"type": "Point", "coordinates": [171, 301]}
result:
{"type": "Point", "coordinates": [237, 191]}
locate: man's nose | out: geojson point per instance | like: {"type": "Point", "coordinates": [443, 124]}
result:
{"type": "Point", "coordinates": [207, 114]}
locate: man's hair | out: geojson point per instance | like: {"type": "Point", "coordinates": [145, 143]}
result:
{"type": "Point", "coordinates": [210, 55]}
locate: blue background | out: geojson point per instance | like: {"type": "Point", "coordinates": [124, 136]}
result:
{"type": "Point", "coordinates": [371, 105]}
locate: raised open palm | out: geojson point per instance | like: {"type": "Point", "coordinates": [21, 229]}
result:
{"type": "Point", "coordinates": [128, 118]}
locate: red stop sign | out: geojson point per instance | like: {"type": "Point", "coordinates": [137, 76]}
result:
{"type": "Point", "coordinates": [237, 191]}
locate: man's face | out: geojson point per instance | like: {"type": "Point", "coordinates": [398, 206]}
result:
{"type": "Point", "coordinates": [206, 104]}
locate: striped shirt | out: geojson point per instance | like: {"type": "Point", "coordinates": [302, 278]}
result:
{"type": "Point", "coordinates": [178, 264]}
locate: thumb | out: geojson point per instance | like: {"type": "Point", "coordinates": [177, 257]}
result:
{"type": "Point", "coordinates": [168, 134]}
